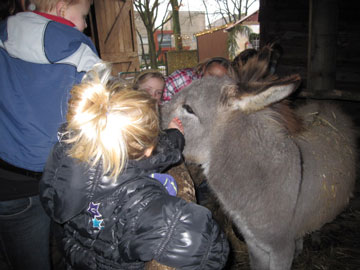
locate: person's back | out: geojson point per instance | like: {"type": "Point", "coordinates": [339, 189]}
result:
{"type": "Point", "coordinates": [114, 211]}
{"type": "Point", "coordinates": [42, 55]}
{"type": "Point", "coordinates": [43, 58]}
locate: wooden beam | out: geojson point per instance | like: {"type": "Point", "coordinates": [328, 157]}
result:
{"type": "Point", "coordinates": [115, 25]}
{"type": "Point", "coordinates": [119, 57]}
{"type": "Point", "coordinates": [323, 16]}
{"type": "Point", "coordinates": [335, 94]}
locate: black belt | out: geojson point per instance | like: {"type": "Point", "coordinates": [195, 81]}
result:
{"type": "Point", "coordinates": [8, 167]}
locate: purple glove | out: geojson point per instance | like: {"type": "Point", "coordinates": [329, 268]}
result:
{"type": "Point", "coordinates": [168, 182]}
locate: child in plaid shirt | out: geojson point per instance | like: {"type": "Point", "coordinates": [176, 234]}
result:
{"type": "Point", "coordinates": [179, 79]}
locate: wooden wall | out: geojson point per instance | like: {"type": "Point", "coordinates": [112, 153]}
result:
{"type": "Point", "coordinates": [320, 41]}
{"type": "Point", "coordinates": [286, 22]}
{"type": "Point", "coordinates": [114, 33]}
{"type": "Point", "coordinates": [348, 46]}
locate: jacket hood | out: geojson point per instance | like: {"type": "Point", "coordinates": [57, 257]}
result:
{"type": "Point", "coordinates": [24, 37]}
{"type": "Point", "coordinates": [35, 39]}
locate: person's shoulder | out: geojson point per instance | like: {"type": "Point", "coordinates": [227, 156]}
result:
{"type": "Point", "coordinates": [181, 72]}
{"type": "Point", "coordinates": [27, 21]}
{"type": "Point", "coordinates": [28, 16]}
{"type": "Point", "coordinates": [24, 23]}
{"type": "Point", "coordinates": [65, 31]}
{"type": "Point", "coordinates": [180, 79]}
{"type": "Point", "coordinates": [57, 34]}
{"type": "Point", "coordinates": [181, 75]}
{"type": "Point", "coordinates": [67, 45]}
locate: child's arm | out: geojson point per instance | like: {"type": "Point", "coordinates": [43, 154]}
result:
{"type": "Point", "coordinates": [172, 137]}
{"type": "Point", "coordinates": [170, 146]}
{"type": "Point", "coordinates": [178, 234]}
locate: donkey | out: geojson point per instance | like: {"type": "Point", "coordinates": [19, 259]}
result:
{"type": "Point", "coordinates": [278, 172]}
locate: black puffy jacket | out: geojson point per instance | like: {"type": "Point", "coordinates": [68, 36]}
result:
{"type": "Point", "coordinates": [122, 224]}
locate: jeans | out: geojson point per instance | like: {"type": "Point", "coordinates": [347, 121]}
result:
{"type": "Point", "coordinates": [25, 234]}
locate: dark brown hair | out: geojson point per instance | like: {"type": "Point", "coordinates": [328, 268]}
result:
{"type": "Point", "coordinates": [201, 68]}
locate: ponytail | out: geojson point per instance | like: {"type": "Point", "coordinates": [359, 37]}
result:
{"type": "Point", "coordinates": [109, 124]}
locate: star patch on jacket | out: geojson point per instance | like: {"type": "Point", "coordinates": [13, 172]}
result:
{"type": "Point", "coordinates": [97, 220]}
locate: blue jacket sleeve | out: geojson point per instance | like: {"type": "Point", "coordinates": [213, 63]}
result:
{"type": "Point", "coordinates": [178, 234]}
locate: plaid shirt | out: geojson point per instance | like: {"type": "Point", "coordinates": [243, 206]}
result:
{"type": "Point", "coordinates": [178, 80]}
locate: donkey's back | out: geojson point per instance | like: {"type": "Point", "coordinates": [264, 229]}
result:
{"type": "Point", "coordinates": [329, 167]}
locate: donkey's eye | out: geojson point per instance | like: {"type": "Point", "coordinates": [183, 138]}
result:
{"type": "Point", "coordinates": [188, 109]}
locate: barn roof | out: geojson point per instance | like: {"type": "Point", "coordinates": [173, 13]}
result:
{"type": "Point", "coordinates": [249, 19]}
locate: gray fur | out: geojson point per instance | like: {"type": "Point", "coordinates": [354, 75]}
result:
{"type": "Point", "coordinates": [276, 186]}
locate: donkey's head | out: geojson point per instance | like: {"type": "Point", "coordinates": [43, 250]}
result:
{"type": "Point", "coordinates": [211, 105]}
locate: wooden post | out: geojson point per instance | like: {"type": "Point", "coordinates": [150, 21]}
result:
{"type": "Point", "coordinates": [323, 16]}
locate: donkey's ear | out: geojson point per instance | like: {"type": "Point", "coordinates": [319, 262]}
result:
{"type": "Point", "coordinates": [275, 92]}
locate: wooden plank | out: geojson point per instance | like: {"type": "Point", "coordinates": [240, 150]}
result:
{"type": "Point", "coordinates": [335, 94]}
{"type": "Point", "coordinates": [119, 57]}
{"type": "Point", "coordinates": [322, 45]}
{"type": "Point", "coordinates": [337, 59]}
{"type": "Point", "coordinates": [116, 32]}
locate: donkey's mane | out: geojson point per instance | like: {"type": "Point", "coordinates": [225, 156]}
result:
{"type": "Point", "coordinates": [287, 117]}
{"type": "Point", "coordinates": [256, 68]}
{"type": "Point", "coordinates": [254, 78]}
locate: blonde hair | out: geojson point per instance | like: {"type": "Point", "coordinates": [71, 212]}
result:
{"type": "Point", "coordinates": [109, 124]}
{"type": "Point", "coordinates": [48, 5]}
{"type": "Point", "coordinates": [145, 75]}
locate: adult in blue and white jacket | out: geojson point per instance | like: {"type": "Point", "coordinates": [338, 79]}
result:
{"type": "Point", "coordinates": [42, 55]}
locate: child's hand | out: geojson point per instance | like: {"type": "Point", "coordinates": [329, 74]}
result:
{"type": "Point", "coordinates": [176, 123]}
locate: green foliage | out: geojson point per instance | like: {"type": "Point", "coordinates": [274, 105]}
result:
{"type": "Point", "coordinates": [232, 45]}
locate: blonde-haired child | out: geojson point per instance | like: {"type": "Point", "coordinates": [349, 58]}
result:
{"type": "Point", "coordinates": [111, 125]}
{"type": "Point", "coordinates": [152, 81]}
{"type": "Point", "coordinates": [98, 186]}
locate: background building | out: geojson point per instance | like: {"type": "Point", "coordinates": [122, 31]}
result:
{"type": "Point", "coordinates": [191, 22]}
{"type": "Point", "coordinates": [215, 41]}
